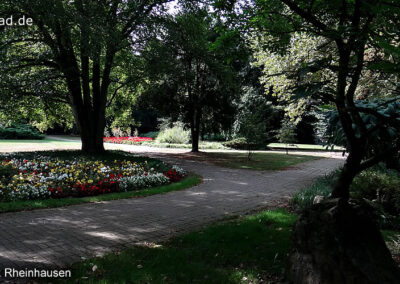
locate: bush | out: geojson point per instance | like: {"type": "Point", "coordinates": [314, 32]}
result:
{"type": "Point", "coordinates": [381, 185]}
{"type": "Point", "coordinates": [215, 137]}
{"type": "Point", "coordinates": [20, 131]}
{"type": "Point", "coordinates": [153, 134]}
{"type": "Point", "coordinates": [238, 144]}
{"type": "Point", "coordinates": [175, 135]}
{"type": "Point", "coordinates": [378, 186]}
{"type": "Point", "coordinates": [305, 197]}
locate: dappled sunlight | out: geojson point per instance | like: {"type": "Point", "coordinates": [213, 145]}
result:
{"type": "Point", "coordinates": [64, 235]}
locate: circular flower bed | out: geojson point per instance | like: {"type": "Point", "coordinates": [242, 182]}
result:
{"type": "Point", "coordinates": [45, 177]}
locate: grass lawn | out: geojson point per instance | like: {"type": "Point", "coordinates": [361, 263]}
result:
{"type": "Point", "coordinates": [304, 147]}
{"type": "Point", "coordinates": [37, 145]}
{"type": "Point", "coordinates": [252, 249]}
{"type": "Point", "coordinates": [244, 250]}
{"type": "Point", "coordinates": [40, 141]}
{"type": "Point", "coordinates": [189, 181]}
{"type": "Point", "coordinates": [259, 161]}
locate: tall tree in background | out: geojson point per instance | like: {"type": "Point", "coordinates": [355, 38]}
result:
{"type": "Point", "coordinates": [69, 54]}
{"type": "Point", "coordinates": [192, 67]}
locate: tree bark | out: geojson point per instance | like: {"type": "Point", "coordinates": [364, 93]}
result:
{"type": "Point", "coordinates": [351, 168]}
{"type": "Point", "coordinates": [337, 241]}
{"type": "Point", "coordinates": [195, 129]}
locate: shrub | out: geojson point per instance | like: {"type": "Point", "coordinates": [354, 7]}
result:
{"type": "Point", "coordinates": [381, 185]}
{"type": "Point", "coordinates": [175, 134]}
{"type": "Point", "coordinates": [378, 186]}
{"type": "Point", "coordinates": [20, 131]}
{"type": "Point", "coordinates": [153, 134]}
{"type": "Point", "coordinates": [218, 137]}
{"type": "Point", "coordinates": [238, 144]}
{"type": "Point", "coordinates": [322, 186]}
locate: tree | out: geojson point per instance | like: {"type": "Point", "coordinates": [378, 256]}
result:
{"type": "Point", "coordinates": [286, 134]}
{"type": "Point", "coordinates": [192, 68]}
{"type": "Point", "coordinates": [70, 53]}
{"type": "Point", "coordinates": [324, 236]}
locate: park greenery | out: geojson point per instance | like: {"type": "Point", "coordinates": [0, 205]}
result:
{"type": "Point", "coordinates": [245, 73]}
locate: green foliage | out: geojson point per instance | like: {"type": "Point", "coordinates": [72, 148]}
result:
{"type": "Point", "coordinates": [304, 198]}
{"type": "Point", "coordinates": [381, 118]}
{"type": "Point", "coordinates": [255, 121]}
{"type": "Point", "coordinates": [286, 134]}
{"type": "Point", "coordinates": [192, 68]}
{"type": "Point", "coordinates": [378, 186]}
{"type": "Point", "coordinates": [176, 134]}
{"type": "Point", "coordinates": [284, 73]}
{"type": "Point", "coordinates": [381, 185]}
{"type": "Point", "coordinates": [6, 173]}
{"type": "Point", "coordinates": [254, 248]}
{"type": "Point", "coordinates": [20, 131]}
{"type": "Point", "coordinates": [218, 137]}
{"type": "Point", "coordinates": [237, 143]}
{"type": "Point", "coordinates": [151, 134]}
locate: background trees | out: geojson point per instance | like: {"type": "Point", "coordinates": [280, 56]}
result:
{"type": "Point", "coordinates": [192, 67]}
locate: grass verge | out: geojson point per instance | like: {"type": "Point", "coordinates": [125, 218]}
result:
{"type": "Point", "coordinates": [310, 147]}
{"type": "Point", "coordinates": [245, 250]}
{"type": "Point", "coordinates": [189, 181]}
{"type": "Point", "coordinates": [250, 249]}
{"type": "Point", "coordinates": [258, 162]}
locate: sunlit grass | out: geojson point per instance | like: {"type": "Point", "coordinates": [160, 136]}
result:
{"type": "Point", "coordinates": [244, 250]}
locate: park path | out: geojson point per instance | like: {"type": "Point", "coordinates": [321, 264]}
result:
{"type": "Point", "coordinates": [61, 236]}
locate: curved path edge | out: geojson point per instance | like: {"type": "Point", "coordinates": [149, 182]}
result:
{"type": "Point", "coordinates": [61, 236]}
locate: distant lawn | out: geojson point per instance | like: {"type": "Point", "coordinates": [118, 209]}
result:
{"type": "Point", "coordinates": [246, 250]}
{"type": "Point", "coordinates": [24, 141]}
{"type": "Point", "coordinates": [189, 181]}
{"type": "Point", "coordinates": [259, 161]}
{"type": "Point", "coordinates": [18, 145]}
{"type": "Point", "coordinates": [304, 147]}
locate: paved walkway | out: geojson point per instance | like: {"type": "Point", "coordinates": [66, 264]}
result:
{"type": "Point", "coordinates": [61, 236]}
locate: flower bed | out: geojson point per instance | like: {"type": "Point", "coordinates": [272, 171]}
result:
{"type": "Point", "coordinates": [126, 140]}
{"type": "Point", "coordinates": [47, 177]}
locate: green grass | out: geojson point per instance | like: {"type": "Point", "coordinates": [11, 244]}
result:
{"type": "Point", "coordinates": [240, 251]}
{"type": "Point", "coordinates": [189, 181]}
{"type": "Point", "coordinates": [25, 141]}
{"type": "Point", "coordinates": [305, 147]}
{"type": "Point", "coordinates": [259, 161]}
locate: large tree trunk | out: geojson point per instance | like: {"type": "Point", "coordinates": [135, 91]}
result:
{"type": "Point", "coordinates": [195, 129]}
{"type": "Point", "coordinates": [92, 135]}
{"type": "Point", "coordinates": [351, 168]}
{"type": "Point", "coordinates": [338, 242]}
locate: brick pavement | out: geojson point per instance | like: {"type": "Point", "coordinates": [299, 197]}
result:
{"type": "Point", "coordinates": [61, 236]}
